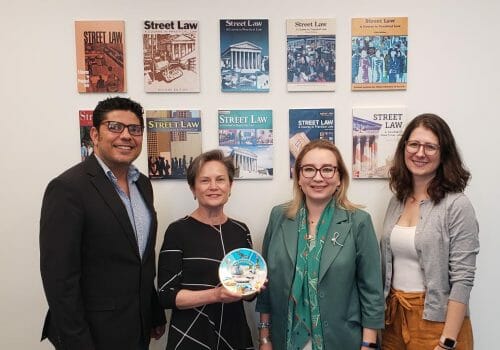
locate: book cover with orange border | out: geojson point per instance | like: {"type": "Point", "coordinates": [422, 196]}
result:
{"type": "Point", "coordinates": [100, 56]}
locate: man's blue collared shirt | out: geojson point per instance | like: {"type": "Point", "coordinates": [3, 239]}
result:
{"type": "Point", "coordinates": [137, 210]}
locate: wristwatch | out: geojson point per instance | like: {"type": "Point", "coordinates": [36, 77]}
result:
{"type": "Point", "coordinates": [447, 343]}
{"type": "Point", "coordinates": [369, 345]}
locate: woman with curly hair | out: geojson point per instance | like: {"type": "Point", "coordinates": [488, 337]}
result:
{"type": "Point", "coordinates": [429, 242]}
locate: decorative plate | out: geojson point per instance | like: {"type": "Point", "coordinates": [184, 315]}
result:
{"type": "Point", "coordinates": [243, 271]}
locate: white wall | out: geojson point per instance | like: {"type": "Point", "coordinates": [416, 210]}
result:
{"type": "Point", "coordinates": [453, 71]}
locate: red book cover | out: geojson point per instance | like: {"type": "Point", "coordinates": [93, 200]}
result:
{"type": "Point", "coordinates": [100, 56]}
{"type": "Point", "coordinates": [86, 145]}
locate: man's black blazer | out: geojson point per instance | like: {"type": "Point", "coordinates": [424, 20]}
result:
{"type": "Point", "coordinates": [101, 295]}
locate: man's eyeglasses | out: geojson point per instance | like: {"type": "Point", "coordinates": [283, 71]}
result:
{"type": "Point", "coordinates": [117, 128]}
{"type": "Point", "coordinates": [413, 147]}
{"type": "Point", "coordinates": [327, 171]}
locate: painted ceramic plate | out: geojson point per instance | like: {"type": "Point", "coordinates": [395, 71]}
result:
{"type": "Point", "coordinates": [243, 271]}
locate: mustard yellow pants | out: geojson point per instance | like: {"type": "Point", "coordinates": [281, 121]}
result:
{"type": "Point", "coordinates": [405, 329]}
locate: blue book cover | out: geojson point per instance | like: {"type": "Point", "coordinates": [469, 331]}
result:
{"type": "Point", "coordinates": [307, 125]}
{"type": "Point", "coordinates": [247, 137]}
{"type": "Point", "coordinates": [244, 55]}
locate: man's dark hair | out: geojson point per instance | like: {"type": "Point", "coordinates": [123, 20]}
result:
{"type": "Point", "coordinates": [116, 104]}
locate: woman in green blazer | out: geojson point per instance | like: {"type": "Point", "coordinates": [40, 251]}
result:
{"type": "Point", "coordinates": [325, 289]}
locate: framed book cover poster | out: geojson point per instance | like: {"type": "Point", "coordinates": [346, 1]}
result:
{"type": "Point", "coordinates": [86, 145]}
{"type": "Point", "coordinates": [379, 53]}
{"type": "Point", "coordinates": [311, 56]}
{"type": "Point", "coordinates": [173, 141]}
{"type": "Point", "coordinates": [100, 56]}
{"type": "Point", "coordinates": [171, 56]}
{"type": "Point", "coordinates": [306, 125]}
{"type": "Point", "coordinates": [247, 137]}
{"type": "Point", "coordinates": [375, 135]}
{"type": "Point", "coordinates": [244, 55]}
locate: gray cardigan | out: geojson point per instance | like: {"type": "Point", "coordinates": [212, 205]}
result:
{"type": "Point", "coordinates": [446, 240]}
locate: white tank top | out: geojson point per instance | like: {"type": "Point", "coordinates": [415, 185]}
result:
{"type": "Point", "coordinates": [407, 275]}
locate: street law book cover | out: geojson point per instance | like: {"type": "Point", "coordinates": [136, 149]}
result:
{"type": "Point", "coordinates": [86, 145]}
{"type": "Point", "coordinates": [244, 55]}
{"type": "Point", "coordinates": [100, 56]}
{"type": "Point", "coordinates": [307, 125]}
{"type": "Point", "coordinates": [311, 57]}
{"type": "Point", "coordinates": [379, 53]}
{"type": "Point", "coordinates": [171, 56]}
{"type": "Point", "coordinates": [375, 135]}
{"type": "Point", "coordinates": [173, 141]}
{"type": "Point", "coordinates": [247, 137]}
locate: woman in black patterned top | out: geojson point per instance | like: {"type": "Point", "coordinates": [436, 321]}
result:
{"type": "Point", "coordinates": [205, 315]}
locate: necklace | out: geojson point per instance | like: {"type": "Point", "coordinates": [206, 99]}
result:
{"type": "Point", "coordinates": [413, 200]}
{"type": "Point", "coordinates": [209, 220]}
{"type": "Point", "coordinates": [313, 221]}
{"type": "Point", "coordinates": [312, 225]}
{"type": "Point", "coordinates": [309, 237]}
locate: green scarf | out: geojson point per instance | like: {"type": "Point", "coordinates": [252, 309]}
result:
{"type": "Point", "coordinates": [304, 320]}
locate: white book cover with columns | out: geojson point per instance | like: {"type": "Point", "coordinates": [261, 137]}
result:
{"type": "Point", "coordinates": [375, 134]}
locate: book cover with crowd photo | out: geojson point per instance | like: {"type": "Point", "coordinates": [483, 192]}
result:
{"type": "Point", "coordinates": [306, 125]}
{"type": "Point", "coordinates": [171, 56]}
{"type": "Point", "coordinates": [100, 56]}
{"type": "Point", "coordinates": [86, 145]}
{"type": "Point", "coordinates": [375, 135]}
{"type": "Point", "coordinates": [379, 53]}
{"type": "Point", "coordinates": [247, 137]}
{"type": "Point", "coordinates": [311, 47]}
{"type": "Point", "coordinates": [173, 141]}
{"type": "Point", "coordinates": [244, 55]}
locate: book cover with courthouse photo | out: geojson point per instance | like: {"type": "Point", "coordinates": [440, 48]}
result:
{"type": "Point", "coordinates": [247, 137]}
{"type": "Point", "coordinates": [171, 56]}
{"type": "Point", "coordinates": [375, 135]}
{"type": "Point", "coordinates": [100, 56]}
{"type": "Point", "coordinates": [173, 140]}
{"type": "Point", "coordinates": [244, 55]}
{"type": "Point", "coordinates": [379, 53]}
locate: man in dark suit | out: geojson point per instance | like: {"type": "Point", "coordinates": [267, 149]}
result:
{"type": "Point", "coordinates": [97, 240]}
